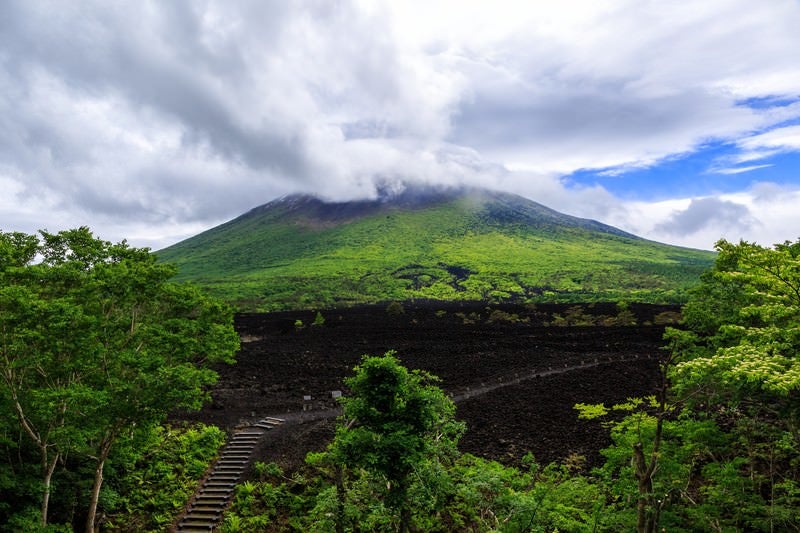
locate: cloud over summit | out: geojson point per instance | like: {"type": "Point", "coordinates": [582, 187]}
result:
{"type": "Point", "coordinates": [154, 119]}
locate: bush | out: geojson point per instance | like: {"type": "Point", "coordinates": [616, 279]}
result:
{"type": "Point", "coordinates": [667, 318]}
{"type": "Point", "coordinates": [395, 309]}
{"type": "Point", "coordinates": [501, 316]}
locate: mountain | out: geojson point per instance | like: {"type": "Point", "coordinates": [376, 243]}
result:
{"type": "Point", "coordinates": [427, 243]}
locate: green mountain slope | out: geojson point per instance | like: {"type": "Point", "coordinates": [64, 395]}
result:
{"type": "Point", "coordinates": [300, 252]}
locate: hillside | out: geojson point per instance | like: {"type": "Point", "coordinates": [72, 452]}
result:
{"type": "Point", "coordinates": [301, 252]}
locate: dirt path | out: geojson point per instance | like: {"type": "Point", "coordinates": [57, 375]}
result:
{"type": "Point", "coordinates": [516, 379]}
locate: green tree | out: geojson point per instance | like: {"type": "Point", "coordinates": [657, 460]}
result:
{"type": "Point", "coordinates": [36, 326]}
{"type": "Point", "coordinates": [748, 311]}
{"type": "Point", "coordinates": [97, 342]}
{"type": "Point", "coordinates": [392, 421]}
{"type": "Point", "coordinates": [744, 368]}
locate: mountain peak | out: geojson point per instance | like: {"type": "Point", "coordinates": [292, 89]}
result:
{"type": "Point", "coordinates": [492, 207]}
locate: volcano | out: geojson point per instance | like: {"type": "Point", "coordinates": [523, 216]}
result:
{"type": "Point", "coordinates": [427, 243]}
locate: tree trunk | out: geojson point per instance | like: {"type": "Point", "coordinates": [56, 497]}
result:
{"type": "Point", "coordinates": [49, 468]}
{"type": "Point", "coordinates": [340, 498]}
{"type": "Point", "coordinates": [105, 449]}
{"type": "Point", "coordinates": [646, 515]}
{"type": "Point", "coordinates": [41, 442]}
{"type": "Point", "coordinates": [645, 487]}
{"type": "Point", "coordinates": [98, 482]}
{"type": "Point", "coordinates": [405, 508]}
{"type": "Point", "coordinates": [405, 517]}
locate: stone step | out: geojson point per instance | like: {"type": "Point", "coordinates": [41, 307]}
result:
{"type": "Point", "coordinates": [205, 509]}
{"type": "Point", "coordinates": [216, 490]}
{"type": "Point", "coordinates": [228, 469]}
{"type": "Point", "coordinates": [209, 512]}
{"type": "Point", "coordinates": [208, 519]}
{"type": "Point", "coordinates": [198, 524]}
{"type": "Point", "coordinates": [215, 475]}
{"type": "Point", "coordinates": [221, 492]}
{"type": "Point", "coordinates": [211, 498]}
{"type": "Point", "coordinates": [225, 478]}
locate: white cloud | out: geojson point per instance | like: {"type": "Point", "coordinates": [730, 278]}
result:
{"type": "Point", "coordinates": [739, 170]}
{"type": "Point", "coordinates": [765, 213]}
{"type": "Point", "coordinates": [767, 144]}
{"type": "Point", "coordinates": [199, 111]}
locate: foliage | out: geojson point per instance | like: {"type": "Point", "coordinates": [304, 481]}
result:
{"type": "Point", "coordinates": [97, 345]}
{"type": "Point", "coordinates": [724, 433]}
{"type": "Point", "coordinates": [497, 315]}
{"type": "Point", "coordinates": [395, 309]}
{"type": "Point", "coordinates": [744, 362]}
{"type": "Point", "coordinates": [152, 477]}
{"type": "Point", "coordinates": [753, 337]}
{"type": "Point", "coordinates": [392, 422]}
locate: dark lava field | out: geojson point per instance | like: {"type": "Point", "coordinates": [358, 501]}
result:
{"type": "Point", "coordinates": [515, 379]}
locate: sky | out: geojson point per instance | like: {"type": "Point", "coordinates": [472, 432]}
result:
{"type": "Point", "coordinates": [152, 121]}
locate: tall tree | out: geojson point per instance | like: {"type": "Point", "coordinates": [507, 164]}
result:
{"type": "Point", "coordinates": [36, 324]}
{"type": "Point", "coordinates": [393, 420]}
{"type": "Point", "coordinates": [97, 341]}
{"type": "Point", "coordinates": [744, 367]}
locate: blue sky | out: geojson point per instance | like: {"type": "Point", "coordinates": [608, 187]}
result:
{"type": "Point", "coordinates": [677, 121]}
{"type": "Point", "coordinates": [695, 174]}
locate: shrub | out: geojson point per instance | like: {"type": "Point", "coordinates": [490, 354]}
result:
{"type": "Point", "coordinates": [395, 309]}
{"type": "Point", "coordinates": [501, 316]}
{"type": "Point", "coordinates": [667, 317]}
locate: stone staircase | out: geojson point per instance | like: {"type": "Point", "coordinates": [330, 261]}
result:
{"type": "Point", "coordinates": [214, 494]}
